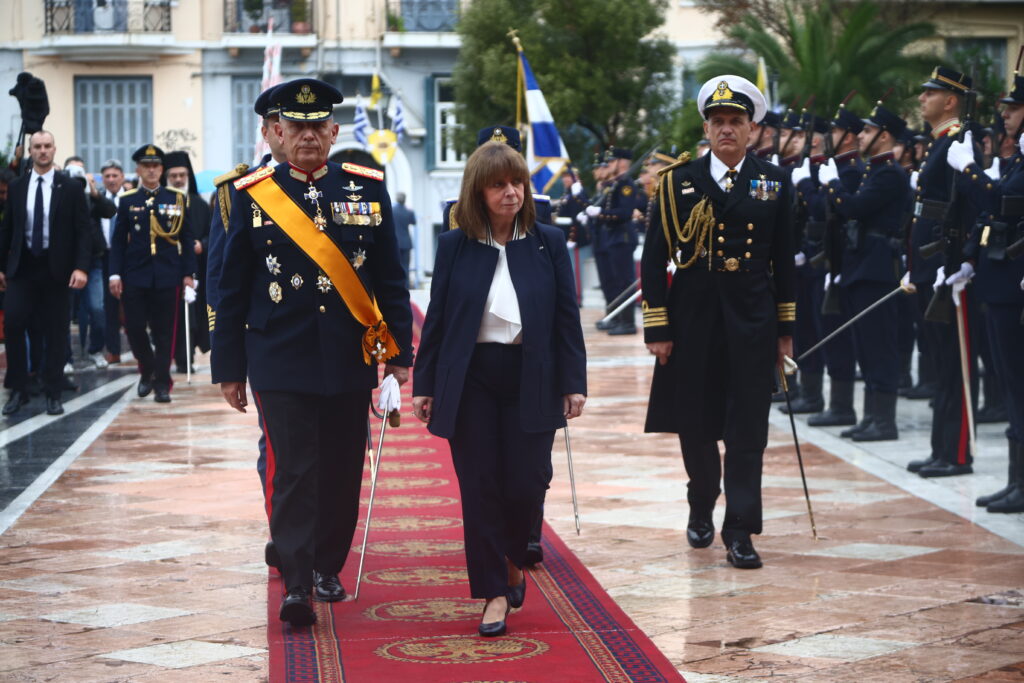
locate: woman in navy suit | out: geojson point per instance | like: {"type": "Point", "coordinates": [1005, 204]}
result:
{"type": "Point", "coordinates": [501, 366]}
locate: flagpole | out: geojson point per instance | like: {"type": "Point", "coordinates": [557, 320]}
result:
{"type": "Point", "coordinates": [519, 76]}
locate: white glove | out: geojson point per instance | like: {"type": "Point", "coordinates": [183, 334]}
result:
{"type": "Point", "coordinates": [913, 179]}
{"type": "Point", "coordinates": [582, 218]}
{"type": "Point", "coordinates": [576, 189]}
{"type": "Point", "coordinates": [993, 170]}
{"type": "Point", "coordinates": [828, 281]}
{"type": "Point", "coordinates": [190, 295]}
{"type": "Point", "coordinates": [961, 154]}
{"type": "Point", "coordinates": [593, 210]}
{"type": "Point", "coordinates": [802, 172]}
{"type": "Point", "coordinates": [799, 259]}
{"type": "Point", "coordinates": [775, 159]}
{"type": "Point", "coordinates": [1020, 143]}
{"type": "Point", "coordinates": [1022, 283]}
{"type": "Point", "coordinates": [959, 280]}
{"type": "Point", "coordinates": [828, 172]}
{"type": "Point", "coordinates": [570, 245]}
{"type": "Point", "coordinates": [940, 277]}
{"type": "Point", "coordinates": [905, 280]}
{"type": "Point", "coordinates": [390, 397]}
{"type": "Point", "coordinates": [837, 279]}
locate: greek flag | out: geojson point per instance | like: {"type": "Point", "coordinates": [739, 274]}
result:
{"type": "Point", "coordinates": [546, 155]}
{"type": "Point", "coordinates": [362, 124]}
{"type": "Point", "coordinates": [398, 120]}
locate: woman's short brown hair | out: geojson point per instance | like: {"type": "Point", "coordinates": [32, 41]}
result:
{"type": "Point", "coordinates": [491, 162]}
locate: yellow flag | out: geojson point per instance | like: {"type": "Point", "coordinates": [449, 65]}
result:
{"type": "Point", "coordinates": [374, 91]}
{"type": "Point", "coordinates": [383, 144]}
{"type": "Point", "coordinates": [762, 76]}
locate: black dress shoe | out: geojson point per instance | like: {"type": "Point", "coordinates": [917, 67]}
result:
{"type": "Point", "coordinates": [54, 406]}
{"type": "Point", "coordinates": [700, 533]}
{"type": "Point", "coordinates": [916, 465]}
{"type": "Point", "coordinates": [15, 402]}
{"type": "Point", "coordinates": [145, 386]}
{"type": "Point", "coordinates": [271, 557]}
{"type": "Point", "coordinates": [534, 554]}
{"type": "Point", "coordinates": [327, 587]}
{"type": "Point", "coordinates": [66, 384]}
{"type": "Point", "coordinates": [741, 554]}
{"type": "Point", "coordinates": [517, 594]}
{"type": "Point", "coordinates": [622, 330]}
{"type": "Point", "coordinates": [602, 325]}
{"type": "Point", "coordinates": [295, 608]}
{"type": "Point", "coordinates": [494, 628]}
{"type": "Point", "coordinates": [163, 395]}
{"type": "Point", "coordinates": [944, 469]}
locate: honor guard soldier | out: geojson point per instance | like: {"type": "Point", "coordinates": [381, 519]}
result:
{"type": "Point", "coordinates": [152, 256]}
{"type": "Point", "coordinates": [941, 102]}
{"type": "Point", "coordinates": [611, 223]}
{"type": "Point", "coordinates": [721, 330]}
{"type": "Point", "coordinates": [223, 197]}
{"type": "Point", "coordinates": [511, 137]}
{"type": "Point", "coordinates": [312, 296]}
{"type": "Point", "coordinates": [995, 258]}
{"type": "Point", "coordinates": [768, 136]}
{"type": "Point", "coordinates": [873, 218]}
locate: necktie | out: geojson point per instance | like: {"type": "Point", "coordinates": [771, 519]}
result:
{"type": "Point", "coordinates": [730, 177]}
{"type": "Point", "coordinates": [37, 221]}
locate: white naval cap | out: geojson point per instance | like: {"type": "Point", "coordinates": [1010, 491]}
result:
{"type": "Point", "coordinates": [732, 91]}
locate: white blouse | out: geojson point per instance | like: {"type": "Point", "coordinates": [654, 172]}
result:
{"type": "Point", "coordinates": [501, 322]}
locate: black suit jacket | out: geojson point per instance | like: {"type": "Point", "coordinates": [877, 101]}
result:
{"type": "Point", "coordinates": [70, 233]}
{"type": "Point", "coordinates": [554, 358]}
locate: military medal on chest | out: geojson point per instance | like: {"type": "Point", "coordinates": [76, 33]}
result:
{"type": "Point", "coordinates": [358, 258]}
{"type": "Point", "coordinates": [273, 265]}
{"type": "Point", "coordinates": [314, 196]}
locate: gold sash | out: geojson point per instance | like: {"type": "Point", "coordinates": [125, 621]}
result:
{"type": "Point", "coordinates": [296, 223]}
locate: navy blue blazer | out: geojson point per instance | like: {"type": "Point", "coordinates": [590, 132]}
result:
{"type": "Point", "coordinates": [554, 358]}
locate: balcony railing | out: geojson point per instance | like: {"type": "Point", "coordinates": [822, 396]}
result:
{"type": "Point", "coordinates": [107, 16]}
{"type": "Point", "coordinates": [422, 15]}
{"type": "Point", "coordinates": [254, 16]}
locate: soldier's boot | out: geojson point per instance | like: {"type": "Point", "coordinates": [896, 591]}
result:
{"type": "Point", "coordinates": [810, 399]}
{"type": "Point", "coordinates": [794, 391]}
{"type": "Point", "coordinates": [867, 416]}
{"type": "Point", "coordinates": [840, 411]}
{"type": "Point", "coordinates": [925, 387]}
{"type": "Point", "coordinates": [883, 425]}
{"type": "Point", "coordinates": [995, 407]}
{"type": "Point", "coordinates": [906, 379]}
{"type": "Point", "coordinates": [1011, 477]}
{"type": "Point", "coordinates": [625, 323]}
{"type": "Point", "coordinates": [1014, 500]}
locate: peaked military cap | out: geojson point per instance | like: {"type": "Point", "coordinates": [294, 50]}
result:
{"type": "Point", "coordinates": [815, 123]}
{"type": "Point", "coordinates": [772, 119]}
{"type": "Point", "coordinates": [947, 79]}
{"type": "Point", "coordinates": [504, 134]}
{"type": "Point", "coordinates": [264, 106]}
{"type": "Point", "coordinates": [732, 91]}
{"type": "Point", "coordinates": [618, 153]}
{"type": "Point", "coordinates": [847, 120]}
{"type": "Point", "coordinates": [1016, 95]}
{"type": "Point", "coordinates": [599, 160]}
{"type": "Point", "coordinates": [887, 121]}
{"type": "Point", "coordinates": [306, 99]}
{"type": "Point", "coordinates": [792, 121]}
{"type": "Point", "coordinates": [148, 154]}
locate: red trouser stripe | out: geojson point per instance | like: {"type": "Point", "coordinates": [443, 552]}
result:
{"type": "Point", "coordinates": [965, 425]}
{"type": "Point", "coordinates": [268, 493]}
{"type": "Point", "coordinates": [174, 331]}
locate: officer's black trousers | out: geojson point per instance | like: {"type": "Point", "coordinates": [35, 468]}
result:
{"type": "Point", "coordinates": [1006, 337]}
{"type": "Point", "coordinates": [622, 269]}
{"type": "Point", "coordinates": [839, 353]}
{"type": "Point", "coordinates": [875, 335]}
{"type": "Point", "coordinates": [810, 283]}
{"type": "Point", "coordinates": [949, 439]}
{"type": "Point", "coordinates": [503, 470]}
{"type": "Point", "coordinates": [315, 452]}
{"type": "Point", "coordinates": [34, 296]}
{"type": "Point", "coordinates": [602, 259]}
{"type": "Point", "coordinates": [152, 306]}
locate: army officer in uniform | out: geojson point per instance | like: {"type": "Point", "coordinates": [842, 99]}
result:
{"type": "Point", "coordinates": [312, 297]}
{"type": "Point", "coordinates": [721, 330]}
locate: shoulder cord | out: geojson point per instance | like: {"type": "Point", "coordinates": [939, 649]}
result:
{"type": "Point", "coordinates": [698, 225]}
{"type": "Point", "coordinates": [171, 234]}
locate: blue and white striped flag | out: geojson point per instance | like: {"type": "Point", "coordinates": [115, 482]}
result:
{"type": "Point", "coordinates": [546, 155]}
{"type": "Point", "coordinates": [361, 129]}
{"type": "Point", "coordinates": [398, 120]}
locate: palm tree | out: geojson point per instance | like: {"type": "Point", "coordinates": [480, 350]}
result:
{"type": "Point", "coordinates": [835, 47]}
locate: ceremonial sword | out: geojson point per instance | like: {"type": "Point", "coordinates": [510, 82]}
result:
{"type": "Point", "coordinates": [395, 419]}
{"type": "Point", "coordinates": [908, 288]}
{"type": "Point", "coordinates": [572, 480]}
{"type": "Point", "coordinates": [796, 442]}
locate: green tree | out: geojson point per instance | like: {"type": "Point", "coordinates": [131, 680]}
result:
{"type": "Point", "coordinates": [604, 77]}
{"type": "Point", "coordinates": [829, 49]}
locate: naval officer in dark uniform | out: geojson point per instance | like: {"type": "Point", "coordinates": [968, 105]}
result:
{"type": "Point", "coordinates": [720, 332]}
{"type": "Point", "coordinates": [152, 256]}
{"type": "Point", "coordinates": [873, 216]}
{"type": "Point", "coordinates": [995, 258]}
{"type": "Point", "coordinates": [312, 296]}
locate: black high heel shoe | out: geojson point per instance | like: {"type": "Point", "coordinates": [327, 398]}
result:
{"type": "Point", "coordinates": [517, 594]}
{"type": "Point", "coordinates": [495, 628]}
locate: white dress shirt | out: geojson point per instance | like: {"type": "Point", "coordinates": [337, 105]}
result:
{"type": "Point", "coordinates": [501, 322]}
{"type": "Point", "coordinates": [108, 223]}
{"type": "Point", "coordinates": [30, 203]}
{"type": "Point", "coordinates": [719, 170]}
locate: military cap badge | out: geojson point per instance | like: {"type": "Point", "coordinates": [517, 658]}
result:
{"type": "Point", "coordinates": [498, 136]}
{"type": "Point", "coordinates": [305, 95]}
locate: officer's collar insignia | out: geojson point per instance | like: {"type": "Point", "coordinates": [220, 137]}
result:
{"type": "Point", "coordinates": [305, 95]}
{"type": "Point", "coordinates": [722, 92]}
{"type": "Point", "coordinates": [687, 183]}
{"type": "Point", "coordinates": [358, 258]}
{"type": "Point", "coordinates": [273, 265]}
{"type": "Point", "coordinates": [498, 136]}
{"type": "Point", "coordinates": [352, 187]}
{"type": "Point", "coordinates": [300, 174]}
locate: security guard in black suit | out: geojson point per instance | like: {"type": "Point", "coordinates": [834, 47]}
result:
{"type": "Point", "coordinates": [721, 330]}
{"type": "Point", "coordinates": [941, 103]}
{"type": "Point", "coordinates": [152, 257]}
{"type": "Point", "coordinates": [995, 257]}
{"type": "Point", "coordinates": [873, 217]}
{"type": "Point", "coordinates": [312, 295]}
{"type": "Point", "coordinates": [612, 224]}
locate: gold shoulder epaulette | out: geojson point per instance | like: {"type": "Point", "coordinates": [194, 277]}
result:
{"type": "Point", "coordinates": [364, 171]}
{"type": "Point", "coordinates": [234, 174]}
{"type": "Point", "coordinates": [452, 223]}
{"type": "Point", "coordinates": [254, 177]}
{"type": "Point", "coordinates": [125, 193]}
{"type": "Point", "coordinates": [176, 189]}
{"type": "Point", "coordinates": [683, 159]}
